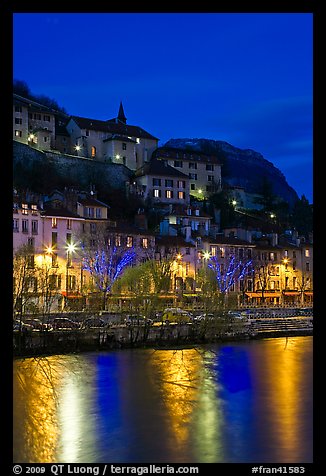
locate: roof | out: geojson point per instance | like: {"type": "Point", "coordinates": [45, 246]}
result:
{"type": "Point", "coordinates": [183, 154]}
{"type": "Point", "coordinates": [121, 138]}
{"type": "Point", "coordinates": [91, 202]}
{"type": "Point", "coordinates": [225, 240]}
{"type": "Point", "coordinates": [181, 211]}
{"type": "Point", "coordinates": [123, 226]}
{"type": "Point", "coordinates": [111, 127]}
{"type": "Point", "coordinates": [176, 241]}
{"type": "Point", "coordinates": [60, 212]}
{"type": "Point", "coordinates": [158, 167]}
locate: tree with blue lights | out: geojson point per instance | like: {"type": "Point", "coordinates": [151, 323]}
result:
{"type": "Point", "coordinates": [106, 265]}
{"type": "Point", "coordinates": [228, 272]}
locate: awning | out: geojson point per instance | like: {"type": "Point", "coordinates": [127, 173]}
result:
{"type": "Point", "coordinates": [71, 296]}
{"type": "Point", "coordinates": [291, 293]}
{"type": "Point", "coordinates": [265, 295]}
{"type": "Point", "coordinates": [309, 293]}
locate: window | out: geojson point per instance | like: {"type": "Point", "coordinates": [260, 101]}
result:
{"type": "Point", "coordinates": [187, 251]}
{"type": "Point", "coordinates": [93, 151]}
{"type": "Point", "coordinates": [286, 281]}
{"type": "Point", "coordinates": [294, 282]}
{"type": "Point", "coordinates": [294, 265]}
{"type": "Point", "coordinates": [156, 182]}
{"type": "Point", "coordinates": [213, 250]}
{"type": "Point", "coordinates": [124, 146]}
{"type": "Point", "coordinates": [34, 209]}
{"type": "Point", "coordinates": [271, 256]}
{"type": "Point", "coordinates": [117, 240]}
{"type": "Point", "coordinates": [222, 252]}
{"type": "Point", "coordinates": [69, 222]}
{"type": "Point", "coordinates": [92, 227]}
{"type": "Point", "coordinates": [30, 261]}
{"type": "Point", "coordinates": [129, 241]}
{"type": "Point", "coordinates": [178, 163]}
{"type": "Point", "coordinates": [193, 176]}
{"type": "Point", "coordinates": [15, 225]}
{"type": "Point", "coordinates": [46, 118]}
{"type": "Point", "coordinates": [168, 183]}
{"type": "Point", "coordinates": [54, 239]}
{"type": "Point", "coordinates": [54, 222]}
{"type": "Point", "coordinates": [192, 165]}
{"type": "Point", "coordinates": [181, 195]}
{"type": "Point", "coordinates": [307, 253]}
{"type": "Point", "coordinates": [294, 254]}
{"type": "Point", "coordinates": [45, 139]}
{"type": "Point", "coordinates": [144, 242]}
{"type": "Point", "coordinates": [38, 117]}
{"type": "Point", "coordinates": [25, 226]}
{"type": "Point", "coordinates": [210, 178]}
{"type": "Point", "coordinates": [18, 133]}
{"type": "Point", "coordinates": [210, 167]}
{"type": "Point", "coordinates": [249, 253]}
{"type": "Point", "coordinates": [89, 212]}
{"type": "Point", "coordinates": [98, 212]}
{"type": "Point", "coordinates": [87, 133]}
{"type": "Point", "coordinates": [34, 227]}
{"type": "Point", "coordinates": [286, 253]}
{"type": "Point", "coordinates": [181, 184]}
{"type": "Point", "coordinates": [168, 194]}
{"type": "Point", "coordinates": [192, 186]}
{"type": "Point", "coordinates": [156, 193]}
{"type": "Point", "coordinates": [18, 120]}
{"type": "Point", "coordinates": [18, 109]}
{"type": "Point", "coordinates": [307, 266]}
{"type": "Point", "coordinates": [249, 285]}
{"type": "Point", "coordinates": [24, 209]}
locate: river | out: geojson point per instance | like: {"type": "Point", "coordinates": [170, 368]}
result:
{"type": "Point", "coordinates": [235, 402]}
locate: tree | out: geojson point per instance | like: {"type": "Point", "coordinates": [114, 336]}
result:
{"type": "Point", "coordinates": [229, 272]}
{"type": "Point", "coordinates": [104, 262]}
{"type": "Point", "coordinates": [302, 216]}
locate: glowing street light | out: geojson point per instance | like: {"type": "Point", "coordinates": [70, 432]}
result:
{"type": "Point", "coordinates": [207, 255]}
{"type": "Point", "coordinates": [71, 248]}
{"type": "Point", "coordinates": [234, 202]}
{"type": "Point", "coordinates": [77, 148]}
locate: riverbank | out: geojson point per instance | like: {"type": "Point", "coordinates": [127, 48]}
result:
{"type": "Point", "coordinates": [163, 336]}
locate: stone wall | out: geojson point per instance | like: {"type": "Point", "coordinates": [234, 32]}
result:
{"type": "Point", "coordinates": [78, 169]}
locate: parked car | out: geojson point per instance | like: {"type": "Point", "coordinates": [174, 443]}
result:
{"type": "Point", "coordinates": [204, 316]}
{"type": "Point", "coordinates": [237, 314]}
{"type": "Point", "coordinates": [136, 320]}
{"type": "Point", "coordinates": [60, 323]}
{"type": "Point", "coordinates": [93, 323]}
{"type": "Point", "coordinates": [37, 324]}
{"type": "Point", "coordinates": [176, 314]}
{"type": "Point", "coordinates": [17, 326]}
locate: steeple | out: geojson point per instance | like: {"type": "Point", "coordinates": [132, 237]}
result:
{"type": "Point", "coordinates": [121, 115]}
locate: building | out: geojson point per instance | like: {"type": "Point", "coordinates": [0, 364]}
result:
{"type": "Point", "coordinates": [204, 171]}
{"type": "Point", "coordinates": [33, 123]}
{"type": "Point", "coordinates": [160, 183]}
{"type": "Point", "coordinates": [112, 140]}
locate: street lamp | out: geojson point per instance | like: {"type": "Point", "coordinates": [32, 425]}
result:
{"type": "Point", "coordinates": [71, 248]}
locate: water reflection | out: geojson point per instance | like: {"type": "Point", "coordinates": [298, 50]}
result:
{"type": "Point", "coordinates": [241, 402]}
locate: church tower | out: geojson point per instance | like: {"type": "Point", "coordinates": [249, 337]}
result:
{"type": "Point", "coordinates": [121, 115]}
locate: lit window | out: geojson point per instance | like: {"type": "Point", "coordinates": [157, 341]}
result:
{"type": "Point", "coordinates": [93, 151]}
{"type": "Point", "coordinates": [69, 224]}
{"type": "Point", "coordinates": [181, 195]}
{"type": "Point", "coordinates": [307, 253]}
{"type": "Point", "coordinates": [18, 133]}
{"type": "Point", "coordinates": [24, 209]}
{"type": "Point", "coordinates": [213, 250]}
{"type": "Point", "coordinates": [181, 184]}
{"type": "Point", "coordinates": [222, 251]}
{"type": "Point", "coordinates": [168, 194]}
{"type": "Point", "coordinates": [118, 240]}
{"type": "Point", "coordinates": [34, 209]}
{"type": "Point", "coordinates": [156, 193]}
{"type": "Point", "coordinates": [144, 242]}
{"type": "Point", "coordinates": [129, 241]}
{"type": "Point", "coordinates": [54, 222]}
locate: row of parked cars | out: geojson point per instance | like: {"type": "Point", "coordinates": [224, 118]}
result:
{"type": "Point", "coordinates": [58, 323]}
{"type": "Point", "coordinates": [173, 315]}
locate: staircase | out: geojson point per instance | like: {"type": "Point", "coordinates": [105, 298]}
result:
{"type": "Point", "coordinates": [281, 326]}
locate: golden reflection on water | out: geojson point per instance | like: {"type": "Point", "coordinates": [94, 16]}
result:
{"type": "Point", "coordinates": [35, 381]}
{"type": "Point", "coordinates": [283, 362]}
{"type": "Point", "coordinates": [188, 394]}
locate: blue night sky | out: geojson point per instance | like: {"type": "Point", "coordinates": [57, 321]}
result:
{"type": "Point", "coordinates": [245, 78]}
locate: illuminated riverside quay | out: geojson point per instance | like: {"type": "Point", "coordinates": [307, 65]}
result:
{"type": "Point", "coordinates": [228, 402]}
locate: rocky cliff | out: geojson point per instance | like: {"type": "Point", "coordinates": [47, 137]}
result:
{"type": "Point", "coordinates": [241, 167]}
